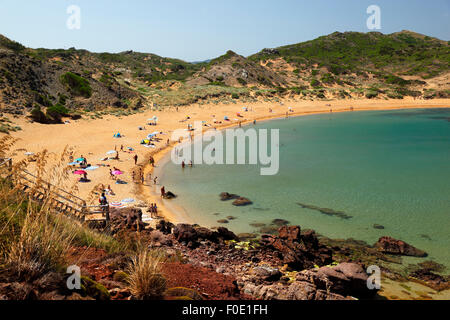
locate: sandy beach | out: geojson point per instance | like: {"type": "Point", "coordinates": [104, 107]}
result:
{"type": "Point", "coordinates": [94, 138]}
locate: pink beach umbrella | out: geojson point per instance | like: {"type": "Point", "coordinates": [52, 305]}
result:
{"type": "Point", "coordinates": [117, 172]}
{"type": "Point", "coordinates": [80, 172]}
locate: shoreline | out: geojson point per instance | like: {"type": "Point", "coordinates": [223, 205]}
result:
{"type": "Point", "coordinates": [177, 214]}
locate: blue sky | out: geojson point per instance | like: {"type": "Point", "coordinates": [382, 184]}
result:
{"type": "Point", "coordinates": [196, 30]}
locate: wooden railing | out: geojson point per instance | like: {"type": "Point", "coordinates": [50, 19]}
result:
{"type": "Point", "coordinates": [64, 200]}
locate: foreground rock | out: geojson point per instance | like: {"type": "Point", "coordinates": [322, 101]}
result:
{"type": "Point", "coordinates": [192, 235]}
{"type": "Point", "coordinates": [393, 246]}
{"type": "Point", "coordinates": [299, 251]}
{"type": "Point", "coordinates": [341, 282]}
{"type": "Point", "coordinates": [126, 219]}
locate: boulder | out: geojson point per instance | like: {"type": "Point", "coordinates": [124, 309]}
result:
{"type": "Point", "coordinates": [393, 246]}
{"type": "Point", "coordinates": [185, 232]}
{"type": "Point", "coordinates": [266, 273]}
{"type": "Point", "coordinates": [298, 251]}
{"type": "Point", "coordinates": [169, 195]}
{"type": "Point", "coordinates": [241, 201]}
{"type": "Point", "coordinates": [225, 196]}
{"type": "Point", "coordinates": [225, 234]}
{"type": "Point", "coordinates": [346, 279]}
{"type": "Point", "coordinates": [165, 227]}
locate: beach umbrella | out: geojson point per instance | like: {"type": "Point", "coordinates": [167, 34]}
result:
{"type": "Point", "coordinates": [91, 168]}
{"type": "Point", "coordinates": [129, 200]}
{"type": "Point", "coordinates": [111, 152]}
{"type": "Point", "coordinates": [79, 160]}
{"type": "Point", "coordinates": [29, 153]}
{"type": "Point", "coordinates": [156, 132]}
{"type": "Point", "coordinates": [73, 163]}
{"type": "Point", "coordinates": [151, 135]}
{"type": "Point", "coordinates": [129, 148]}
{"type": "Point", "coordinates": [117, 172]}
{"type": "Point", "coordinates": [80, 172]}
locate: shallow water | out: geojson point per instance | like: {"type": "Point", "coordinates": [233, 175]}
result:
{"type": "Point", "coordinates": [378, 167]}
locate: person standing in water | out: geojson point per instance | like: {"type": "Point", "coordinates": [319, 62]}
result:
{"type": "Point", "coordinates": [163, 192]}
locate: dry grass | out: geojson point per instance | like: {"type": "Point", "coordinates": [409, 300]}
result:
{"type": "Point", "coordinates": [145, 280]}
{"type": "Point", "coordinates": [41, 246]}
{"type": "Point", "coordinates": [33, 238]}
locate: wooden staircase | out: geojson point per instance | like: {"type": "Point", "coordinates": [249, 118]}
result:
{"type": "Point", "coordinates": [60, 201]}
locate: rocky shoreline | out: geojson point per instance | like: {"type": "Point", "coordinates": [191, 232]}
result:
{"type": "Point", "coordinates": [206, 264]}
{"type": "Point", "coordinates": [293, 264]}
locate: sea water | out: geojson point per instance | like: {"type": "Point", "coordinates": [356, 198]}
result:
{"type": "Point", "coordinates": [390, 168]}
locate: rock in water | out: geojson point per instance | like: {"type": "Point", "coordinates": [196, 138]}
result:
{"type": "Point", "coordinates": [399, 247]}
{"type": "Point", "coordinates": [169, 195]}
{"type": "Point", "coordinates": [240, 202]}
{"type": "Point", "coordinates": [224, 196]}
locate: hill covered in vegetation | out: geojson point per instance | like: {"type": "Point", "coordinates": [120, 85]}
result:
{"type": "Point", "coordinates": [337, 66]}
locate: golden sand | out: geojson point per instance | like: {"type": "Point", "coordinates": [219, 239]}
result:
{"type": "Point", "coordinates": [93, 138]}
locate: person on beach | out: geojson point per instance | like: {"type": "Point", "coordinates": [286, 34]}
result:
{"type": "Point", "coordinates": [121, 147]}
{"type": "Point", "coordinates": [183, 165]}
{"type": "Point", "coordinates": [155, 208]}
{"type": "Point", "coordinates": [163, 192]}
{"type": "Point", "coordinates": [191, 164]}
{"type": "Point", "coordinates": [135, 159]}
{"type": "Point", "coordinates": [113, 177]}
{"type": "Point", "coordinates": [155, 180]}
{"type": "Point", "coordinates": [142, 179]}
{"type": "Point", "coordinates": [103, 203]}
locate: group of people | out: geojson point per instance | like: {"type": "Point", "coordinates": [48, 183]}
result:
{"type": "Point", "coordinates": [153, 210]}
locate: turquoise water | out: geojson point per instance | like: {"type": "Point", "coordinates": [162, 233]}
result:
{"type": "Point", "coordinates": [380, 167]}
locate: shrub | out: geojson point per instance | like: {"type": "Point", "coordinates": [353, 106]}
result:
{"type": "Point", "coordinates": [38, 116]}
{"type": "Point", "coordinates": [56, 112]}
{"type": "Point", "coordinates": [145, 280]}
{"type": "Point", "coordinates": [77, 85]}
{"type": "Point", "coordinates": [235, 96]}
{"type": "Point", "coordinates": [371, 94]}
{"type": "Point", "coordinates": [314, 83]}
{"type": "Point", "coordinates": [242, 81]}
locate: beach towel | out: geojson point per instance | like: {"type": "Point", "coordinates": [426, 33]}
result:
{"type": "Point", "coordinates": [117, 204]}
{"type": "Point", "coordinates": [91, 168]}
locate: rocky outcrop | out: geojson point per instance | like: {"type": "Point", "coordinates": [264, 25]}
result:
{"type": "Point", "coordinates": [341, 282]}
{"type": "Point", "coordinates": [126, 218]}
{"type": "Point", "coordinates": [398, 247]}
{"type": "Point", "coordinates": [191, 235]}
{"type": "Point", "coordinates": [297, 250]}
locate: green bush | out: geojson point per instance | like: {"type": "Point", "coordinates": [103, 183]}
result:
{"type": "Point", "coordinates": [242, 81]}
{"type": "Point", "coordinates": [77, 85]}
{"type": "Point", "coordinates": [371, 94]}
{"type": "Point", "coordinates": [38, 116]}
{"type": "Point", "coordinates": [314, 83]}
